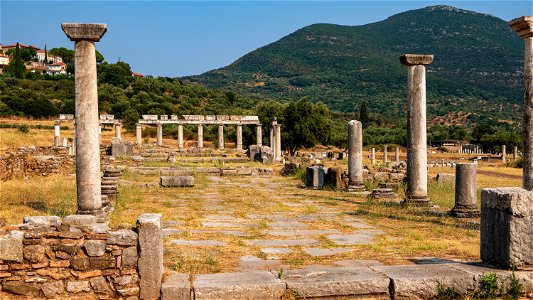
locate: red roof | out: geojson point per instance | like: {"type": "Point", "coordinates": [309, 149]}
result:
{"type": "Point", "coordinates": [40, 51]}
{"type": "Point", "coordinates": [20, 45]}
{"type": "Point", "coordinates": [58, 64]}
{"type": "Point", "coordinates": [137, 74]}
{"type": "Point", "coordinates": [3, 55]}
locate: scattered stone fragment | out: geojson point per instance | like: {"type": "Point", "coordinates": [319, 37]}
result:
{"type": "Point", "coordinates": [260, 284]}
{"type": "Point", "coordinates": [276, 250]}
{"type": "Point", "coordinates": [198, 243]}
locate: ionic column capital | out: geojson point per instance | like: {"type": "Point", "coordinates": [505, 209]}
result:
{"type": "Point", "coordinates": [416, 59]}
{"type": "Point", "coordinates": [523, 26]}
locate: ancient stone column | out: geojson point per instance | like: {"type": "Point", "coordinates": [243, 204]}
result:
{"type": "Point", "coordinates": [57, 134]}
{"type": "Point", "coordinates": [87, 118]}
{"type": "Point", "coordinates": [273, 138]}
{"type": "Point", "coordinates": [515, 153]}
{"type": "Point", "coordinates": [385, 154]}
{"type": "Point", "coordinates": [373, 156]}
{"type": "Point", "coordinates": [259, 135]}
{"type": "Point", "coordinates": [118, 128]}
{"type": "Point", "coordinates": [221, 137]}
{"type": "Point", "coordinates": [139, 133]}
{"type": "Point", "coordinates": [180, 136]}
{"type": "Point", "coordinates": [239, 137]}
{"type": "Point", "coordinates": [524, 27]}
{"type": "Point", "coordinates": [159, 134]}
{"type": "Point", "coordinates": [200, 136]}
{"type": "Point", "coordinates": [355, 157]}
{"type": "Point", "coordinates": [465, 191]}
{"type": "Point", "coordinates": [277, 134]}
{"type": "Point", "coordinates": [397, 154]}
{"type": "Point", "coordinates": [417, 178]}
{"type": "Point", "coordinates": [504, 154]}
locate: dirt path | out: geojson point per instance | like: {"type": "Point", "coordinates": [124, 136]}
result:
{"type": "Point", "coordinates": [496, 174]}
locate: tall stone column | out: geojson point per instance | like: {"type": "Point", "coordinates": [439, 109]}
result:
{"type": "Point", "coordinates": [385, 148]}
{"type": "Point", "coordinates": [57, 134]}
{"type": "Point", "coordinates": [273, 138]}
{"type": "Point", "coordinates": [277, 134]}
{"type": "Point", "coordinates": [524, 27]}
{"type": "Point", "coordinates": [180, 136]}
{"type": "Point", "coordinates": [239, 137]}
{"type": "Point", "coordinates": [259, 135]}
{"type": "Point", "coordinates": [355, 157]}
{"type": "Point", "coordinates": [87, 119]}
{"type": "Point", "coordinates": [139, 133]}
{"type": "Point", "coordinates": [417, 177]}
{"type": "Point", "coordinates": [221, 137]}
{"type": "Point", "coordinates": [504, 154]}
{"type": "Point", "coordinates": [118, 129]}
{"type": "Point", "coordinates": [397, 154]}
{"type": "Point", "coordinates": [515, 153]}
{"type": "Point", "coordinates": [159, 134]}
{"type": "Point", "coordinates": [373, 156]}
{"type": "Point", "coordinates": [465, 191]}
{"type": "Point", "coordinates": [200, 136]}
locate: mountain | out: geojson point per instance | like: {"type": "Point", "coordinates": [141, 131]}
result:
{"type": "Point", "coordinates": [476, 74]}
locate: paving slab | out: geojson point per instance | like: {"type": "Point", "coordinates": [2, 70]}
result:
{"type": "Point", "coordinates": [198, 243]}
{"type": "Point", "coordinates": [276, 250]}
{"type": "Point", "coordinates": [477, 270]}
{"type": "Point", "coordinates": [243, 285]}
{"type": "Point", "coordinates": [336, 282]}
{"type": "Point", "coordinates": [282, 243]}
{"type": "Point", "coordinates": [248, 262]}
{"type": "Point", "coordinates": [326, 251]}
{"type": "Point", "coordinates": [358, 263]}
{"type": "Point", "coordinates": [301, 232]}
{"type": "Point", "coordinates": [421, 281]}
{"type": "Point", "coordinates": [287, 225]}
{"type": "Point", "coordinates": [176, 287]}
{"type": "Point", "coordinates": [171, 231]}
{"type": "Point", "coordinates": [224, 232]}
{"type": "Point", "coordinates": [170, 223]}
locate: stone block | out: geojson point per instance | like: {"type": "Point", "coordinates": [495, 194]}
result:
{"type": "Point", "coordinates": [334, 178]}
{"type": "Point", "coordinates": [506, 231]}
{"type": "Point", "coordinates": [34, 253]}
{"type": "Point", "coordinates": [78, 286]}
{"type": "Point", "coordinates": [262, 154]}
{"type": "Point", "coordinates": [314, 177]}
{"type": "Point", "coordinates": [11, 246]}
{"type": "Point", "coordinates": [150, 263]}
{"type": "Point", "coordinates": [349, 282]}
{"type": "Point", "coordinates": [176, 181]}
{"type": "Point", "coordinates": [43, 220]}
{"type": "Point", "coordinates": [246, 285]}
{"type": "Point", "coordinates": [123, 237]}
{"type": "Point", "coordinates": [79, 220]}
{"type": "Point", "coordinates": [21, 288]}
{"type": "Point", "coordinates": [95, 247]}
{"type": "Point", "coordinates": [99, 285]}
{"type": "Point", "coordinates": [421, 281]}
{"type": "Point", "coordinates": [52, 289]}
{"type": "Point", "coordinates": [129, 257]}
{"type": "Point", "coordinates": [176, 287]}
{"type": "Point", "coordinates": [444, 178]}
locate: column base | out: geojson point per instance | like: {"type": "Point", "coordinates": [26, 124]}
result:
{"type": "Point", "coordinates": [460, 211]}
{"type": "Point", "coordinates": [98, 213]}
{"type": "Point", "coordinates": [355, 188]}
{"type": "Point", "coordinates": [417, 201]}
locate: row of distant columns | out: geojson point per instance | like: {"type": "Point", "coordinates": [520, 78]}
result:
{"type": "Point", "coordinates": [200, 144]}
{"type": "Point", "coordinates": [57, 132]}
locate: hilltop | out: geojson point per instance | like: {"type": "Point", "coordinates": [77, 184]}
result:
{"type": "Point", "coordinates": [476, 74]}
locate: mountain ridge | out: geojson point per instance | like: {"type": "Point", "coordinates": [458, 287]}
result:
{"type": "Point", "coordinates": [477, 68]}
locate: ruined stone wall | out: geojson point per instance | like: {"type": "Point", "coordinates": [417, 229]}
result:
{"type": "Point", "coordinates": [34, 160]}
{"type": "Point", "coordinates": [74, 258]}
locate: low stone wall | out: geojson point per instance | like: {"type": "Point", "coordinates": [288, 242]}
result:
{"type": "Point", "coordinates": [34, 160]}
{"type": "Point", "coordinates": [77, 258]}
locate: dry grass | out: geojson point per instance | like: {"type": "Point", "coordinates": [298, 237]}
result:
{"type": "Point", "coordinates": [37, 195]}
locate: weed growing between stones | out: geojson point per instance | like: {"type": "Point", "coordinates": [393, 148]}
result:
{"type": "Point", "coordinates": [445, 293]}
{"type": "Point", "coordinates": [489, 285]}
{"type": "Point", "coordinates": [516, 287]}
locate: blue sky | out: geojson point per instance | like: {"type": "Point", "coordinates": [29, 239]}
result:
{"type": "Point", "coordinates": [178, 38]}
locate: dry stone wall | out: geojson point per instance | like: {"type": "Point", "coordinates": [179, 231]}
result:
{"type": "Point", "coordinates": [47, 257]}
{"type": "Point", "coordinates": [34, 160]}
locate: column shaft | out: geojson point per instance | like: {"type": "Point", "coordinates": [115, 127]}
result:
{"type": "Point", "coordinates": [385, 148]}
{"type": "Point", "coordinates": [180, 136]}
{"type": "Point", "coordinates": [87, 135]}
{"type": "Point", "coordinates": [159, 135]}
{"type": "Point", "coordinates": [416, 135]}
{"type": "Point", "coordinates": [259, 135]}
{"type": "Point", "coordinates": [239, 137]}
{"type": "Point", "coordinates": [57, 134]}
{"type": "Point", "coordinates": [200, 136]}
{"type": "Point", "coordinates": [528, 115]}
{"type": "Point", "coordinates": [355, 156]}
{"type": "Point", "coordinates": [373, 156]}
{"type": "Point", "coordinates": [118, 128]}
{"type": "Point", "coordinates": [221, 137]}
{"type": "Point", "coordinates": [138, 131]}
{"type": "Point", "coordinates": [397, 154]}
{"type": "Point", "coordinates": [278, 142]}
